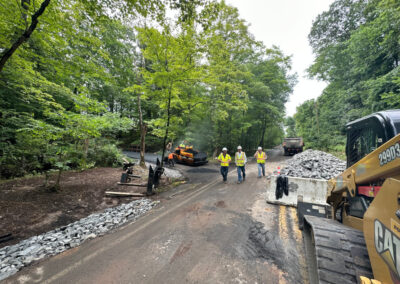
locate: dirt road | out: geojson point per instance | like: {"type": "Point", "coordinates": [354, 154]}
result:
{"type": "Point", "coordinates": [202, 232]}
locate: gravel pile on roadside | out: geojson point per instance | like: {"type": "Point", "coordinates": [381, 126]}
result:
{"type": "Point", "coordinates": [171, 173]}
{"type": "Point", "coordinates": [175, 174]}
{"type": "Point", "coordinates": [13, 258]}
{"type": "Point", "coordinates": [314, 164]}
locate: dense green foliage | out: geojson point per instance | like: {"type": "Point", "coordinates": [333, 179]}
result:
{"type": "Point", "coordinates": [290, 124]}
{"type": "Point", "coordinates": [357, 48]}
{"type": "Point", "coordinates": [69, 92]}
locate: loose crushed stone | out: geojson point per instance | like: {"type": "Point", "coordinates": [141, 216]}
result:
{"type": "Point", "coordinates": [314, 164]}
{"type": "Point", "coordinates": [13, 258]}
{"type": "Point", "coordinates": [171, 173]}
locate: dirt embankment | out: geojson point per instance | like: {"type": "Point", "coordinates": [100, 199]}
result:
{"type": "Point", "coordinates": [28, 209]}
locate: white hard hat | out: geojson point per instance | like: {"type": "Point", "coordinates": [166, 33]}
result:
{"type": "Point", "coordinates": [259, 148]}
{"type": "Point", "coordinates": [239, 147]}
{"type": "Point", "coordinates": [224, 149]}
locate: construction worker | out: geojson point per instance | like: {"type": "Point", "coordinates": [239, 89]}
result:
{"type": "Point", "coordinates": [240, 160]}
{"type": "Point", "coordinates": [171, 159]}
{"type": "Point", "coordinates": [189, 145]}
{"type": "Point", "coordinates": [261, 157]}
{"type": "Point", "coordinates": [224, 159]}
{"type": "Point", "coordinates": [182, 145]}
{"type": "Point", "coordinates": [169, 146]}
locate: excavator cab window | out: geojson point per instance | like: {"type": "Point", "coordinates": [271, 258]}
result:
{"type": "Point", "coordinates": [366, 134]}
{"type": "Point", "coordinates": [363, 139]}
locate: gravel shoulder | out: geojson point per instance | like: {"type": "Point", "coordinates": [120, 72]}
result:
{"type": "Point", "coordinates": [81, 194]}
{"type": "Point", "coordinates": [58, 221]}
{"type": "Point", "coordinates": [14, 257]}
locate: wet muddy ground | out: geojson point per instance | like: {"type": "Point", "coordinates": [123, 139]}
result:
{"type": "Point", "coordinates": [202, 232]}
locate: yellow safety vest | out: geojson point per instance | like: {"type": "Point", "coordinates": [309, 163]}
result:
{"type": "Point", "coordinates": [182, 146]}
{"type": "Point", "coordinates": [224, 160]}
{"type": "Point", "coordinates": [260, 157]}
{"type": "Point", "coordinates": [239, 159]}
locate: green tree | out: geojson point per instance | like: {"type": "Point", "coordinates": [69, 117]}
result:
{"type": "Point", "coordinates": [356, 44]}
{"type": "Point", "coordinates": [88, 80]}
{"type": "Point", "coordinates": [290, 123]}
{"type": "Point", "coordinates": [173, 55]}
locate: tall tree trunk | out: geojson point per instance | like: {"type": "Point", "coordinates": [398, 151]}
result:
{"type": "Point", "coordinates": [143, 131]}
{"type": "Point", "coordinates": [86, 149]}
{"type": "Point", "coordinates": [46, 179]}
{"type": "Point", "coordinates": [264, 127]}
{"type": "Point", "coordinates": [56, 187]}
{"type": "Point", "coordinates": [167, 128]}
{"type": "Point", "coordinates": [228, 134]}
{"type": "Point", "coordinates": [25, 36]}
{"type": "Point", "coordinates": [241, 132]}
{"type": "Point", "coordinates": [220, 143]}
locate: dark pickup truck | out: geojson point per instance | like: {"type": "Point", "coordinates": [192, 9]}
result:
{"type": "Point", "coordinates": [293, 145]}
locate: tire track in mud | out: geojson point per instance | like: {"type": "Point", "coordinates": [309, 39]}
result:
{"type": "Point", "coordinates": [280, 243]}
{"type": "Point", "coordinates": [264, 242]}
{"type": "Point", "coordinates": [293, 240]}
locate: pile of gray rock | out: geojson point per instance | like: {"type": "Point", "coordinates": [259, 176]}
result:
{"type": "Point", "coordinates": [13, 258]}
{"type": "Point", "coordinates": [314, 164]}
{"type": "Point", "coordinates": [171, 173]}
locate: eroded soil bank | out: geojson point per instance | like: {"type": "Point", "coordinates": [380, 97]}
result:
{"type": "Point", "coordinates": [28, 209]}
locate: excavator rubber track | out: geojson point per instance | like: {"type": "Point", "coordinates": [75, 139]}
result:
{"type": "Point", "coordinates": [335, 253]}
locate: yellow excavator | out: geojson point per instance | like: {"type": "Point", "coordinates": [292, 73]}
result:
{"type": "Point", "coordinates": [360, 241]}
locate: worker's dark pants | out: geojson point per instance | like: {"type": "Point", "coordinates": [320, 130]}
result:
{"type": "Point", "coordinates": [240, 170]}
{"type": "Point", "coordinates": [261, 167]}
{"type": "Point", "coordinates": [224, 172]}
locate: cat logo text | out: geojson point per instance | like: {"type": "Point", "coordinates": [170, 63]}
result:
{"type": "Point", "coordinates": [387, 244]}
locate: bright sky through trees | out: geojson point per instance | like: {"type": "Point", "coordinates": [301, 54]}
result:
{"type": "Point", "coordinates": [287, 23]}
